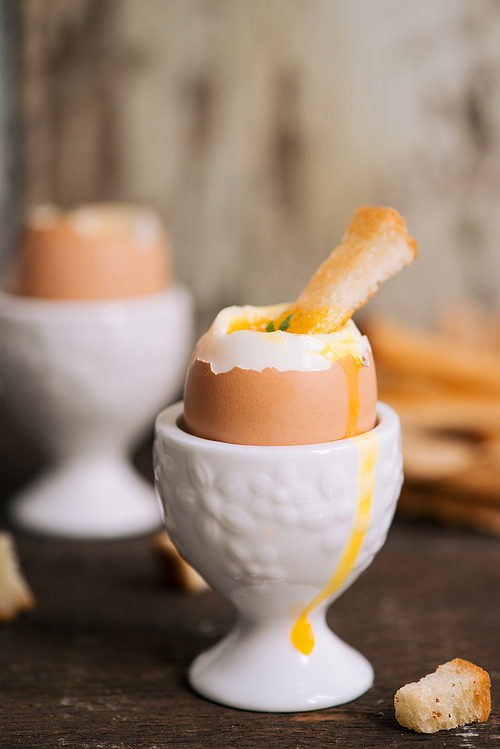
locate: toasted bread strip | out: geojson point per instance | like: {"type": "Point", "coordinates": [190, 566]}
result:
{"type": "Point", "coordinates": [419, 353]}
{"type": "Point", "coordinates": [178, 573]}
{"type": "Point", "coordinates": [442, 410]}
{"type": "Point", "coordinates": [15, 595]}
{"type": "Point", "coordinates": [450, 509]}
{"type": "Point", "coordinates": [375, 246]}
{"type": "Point", "coordinates": [456, 694]}
{"type": "Point", "coordinates": [481, 480]}
{"type": "Point", "coordinates": [430, 455]}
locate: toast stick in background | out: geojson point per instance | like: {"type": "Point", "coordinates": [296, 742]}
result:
{"type": "Point", "coordinates": [436, 357]}
{"type": "Point", "coordinates": [178, 574]}
{"type": "Point", "coordinates": [445, 386]}
{"type": "Point", "coordinates": [451, 509]}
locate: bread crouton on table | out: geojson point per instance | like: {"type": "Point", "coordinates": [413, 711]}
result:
{"type": "Point", "coordinates": [456, 694]}
{"type": "Point", "coordinates": [178, 574]}
{"type": "Point", "coordinates": [15, 594]}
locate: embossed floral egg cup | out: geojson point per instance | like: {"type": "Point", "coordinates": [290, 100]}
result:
{"type": "Point", "coordinates": [86, 379]}
{"type": "Point", "coordinates": [280, 532]}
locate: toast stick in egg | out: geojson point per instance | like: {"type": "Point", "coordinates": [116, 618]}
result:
{"type": "Point", "coordinates": [375, 246]}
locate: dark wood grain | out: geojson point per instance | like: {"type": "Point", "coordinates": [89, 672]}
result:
{"type": "Point", "coordinates": [101, 662]}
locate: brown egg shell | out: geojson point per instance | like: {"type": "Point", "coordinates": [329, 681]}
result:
{"type": "Point", "coordinates": [271, 407]}
{"type": "Point", "coordinates": [60, 263]}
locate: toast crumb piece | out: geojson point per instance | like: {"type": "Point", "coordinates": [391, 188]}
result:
{"type": "Point", "coordinates": [178, 573]}
{"type": "Point", "coordinates": [15, 595]}
{"type": "Point", "coordinates": [457, 693]}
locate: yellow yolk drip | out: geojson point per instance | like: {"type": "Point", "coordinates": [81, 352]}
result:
{"type": "Point", "coordinates": [341, 352]}
{"type": "Point", "coordinates": [351, 367]}
{"type": "Point", "coordinates": [369, 447]}
{"type": "Point", "coordinates": [345, 354]}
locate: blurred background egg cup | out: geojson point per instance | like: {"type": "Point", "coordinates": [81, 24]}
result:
{"type": "Point", "coordinates": [280, 532]}
{"type": "Point", "coordinates": [94, 339]}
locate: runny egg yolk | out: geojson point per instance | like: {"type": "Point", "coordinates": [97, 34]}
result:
{"type": "Point", "coordinates": [349, 360]}
{"type": "Point", "coordinates": [297, 322]}
{"type": "Point", "coordinates": [368, 446]}
{"type": "Point", "coordinates": [244, 323]}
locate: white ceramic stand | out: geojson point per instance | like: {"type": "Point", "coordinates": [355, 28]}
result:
{"type": "Point", "coordinates": [86, 379]}
{"type": "Point", "coordinates": [268, 527]}
{"type": "Point", "coordinates": [253, 668]}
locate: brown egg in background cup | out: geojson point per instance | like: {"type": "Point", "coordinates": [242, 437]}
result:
{"type": "Point", "coordinates": [96, 251]}
{"type": "Point", "coordinates": [94, 339]}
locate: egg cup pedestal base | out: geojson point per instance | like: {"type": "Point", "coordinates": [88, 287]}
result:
{"type": "Point", "coordinates": [256, 667]}
{"type": "Point", "coordinates": [85, 379]}
{"type": "Point", "coordinates": [280, 532]}
{"type": "Point", "coordinates": [101, 497]}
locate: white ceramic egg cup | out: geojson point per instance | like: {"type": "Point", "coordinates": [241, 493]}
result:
{"type": "Point", "coordinates": [86, 379]}
{"type": "Point", "coordinates": [266, 527]}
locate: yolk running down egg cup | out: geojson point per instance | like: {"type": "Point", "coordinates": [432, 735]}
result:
{"type": "Point", "coordinates": [279, 476]}
{"type": "Point", "coordinates": [280, 532]}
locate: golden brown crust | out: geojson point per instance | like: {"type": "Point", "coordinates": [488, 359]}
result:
{"type": "Point", "coordinates": [454, 510]}
{"type": "Point", "coordinates": [419, 353]}
{"type": "Point", "coordinates": [15, 594]}
{"type": "Point", "coordinates": [481, 681]}
{"type": "Point", "coordinates": [375, 246]}
{"type": "Point", "coordinates": [432, 456]}
{"type": "Point", "coordinates": [456, 694]}
{"type": "Point", "coordinates": [177, 572]}
{"type": "Point", "coordinates": [445, 386]}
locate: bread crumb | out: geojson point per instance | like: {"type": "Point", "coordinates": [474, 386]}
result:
{"type": "Point", "coordinates": [178, 573]}
{"type": "Point", "coordinates": [461, 689]}
{"type": "Point", "coordinates": [15, 594]}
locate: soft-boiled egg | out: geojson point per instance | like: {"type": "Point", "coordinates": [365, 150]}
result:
{"type": "Point", "coordinates": [247, 385]}
{"type": "Point", "coordinates": [302, 373]}
{"type": "Point", "coordinates": [96, 251]}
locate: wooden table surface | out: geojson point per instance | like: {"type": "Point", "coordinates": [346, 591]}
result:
{"type": "Point", "coordinates": [101, 662]}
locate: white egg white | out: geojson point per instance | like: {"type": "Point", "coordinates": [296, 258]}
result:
{"type": "Point", "coordinates": [250, 349]}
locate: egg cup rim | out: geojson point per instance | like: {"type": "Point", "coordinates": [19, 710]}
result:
{"type": "Point", "coordinates": [17, 306]}
{"type": "Point", "coordinates": [166, 425]}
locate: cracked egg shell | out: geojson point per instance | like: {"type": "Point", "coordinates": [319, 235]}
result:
{"type": "Point", "coordinates": [96, 251]}
{"type": "Point", "coordinates": [254, 388]}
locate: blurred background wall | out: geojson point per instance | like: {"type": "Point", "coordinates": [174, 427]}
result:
{"type": "Point", "coordinates": [257, 126]}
